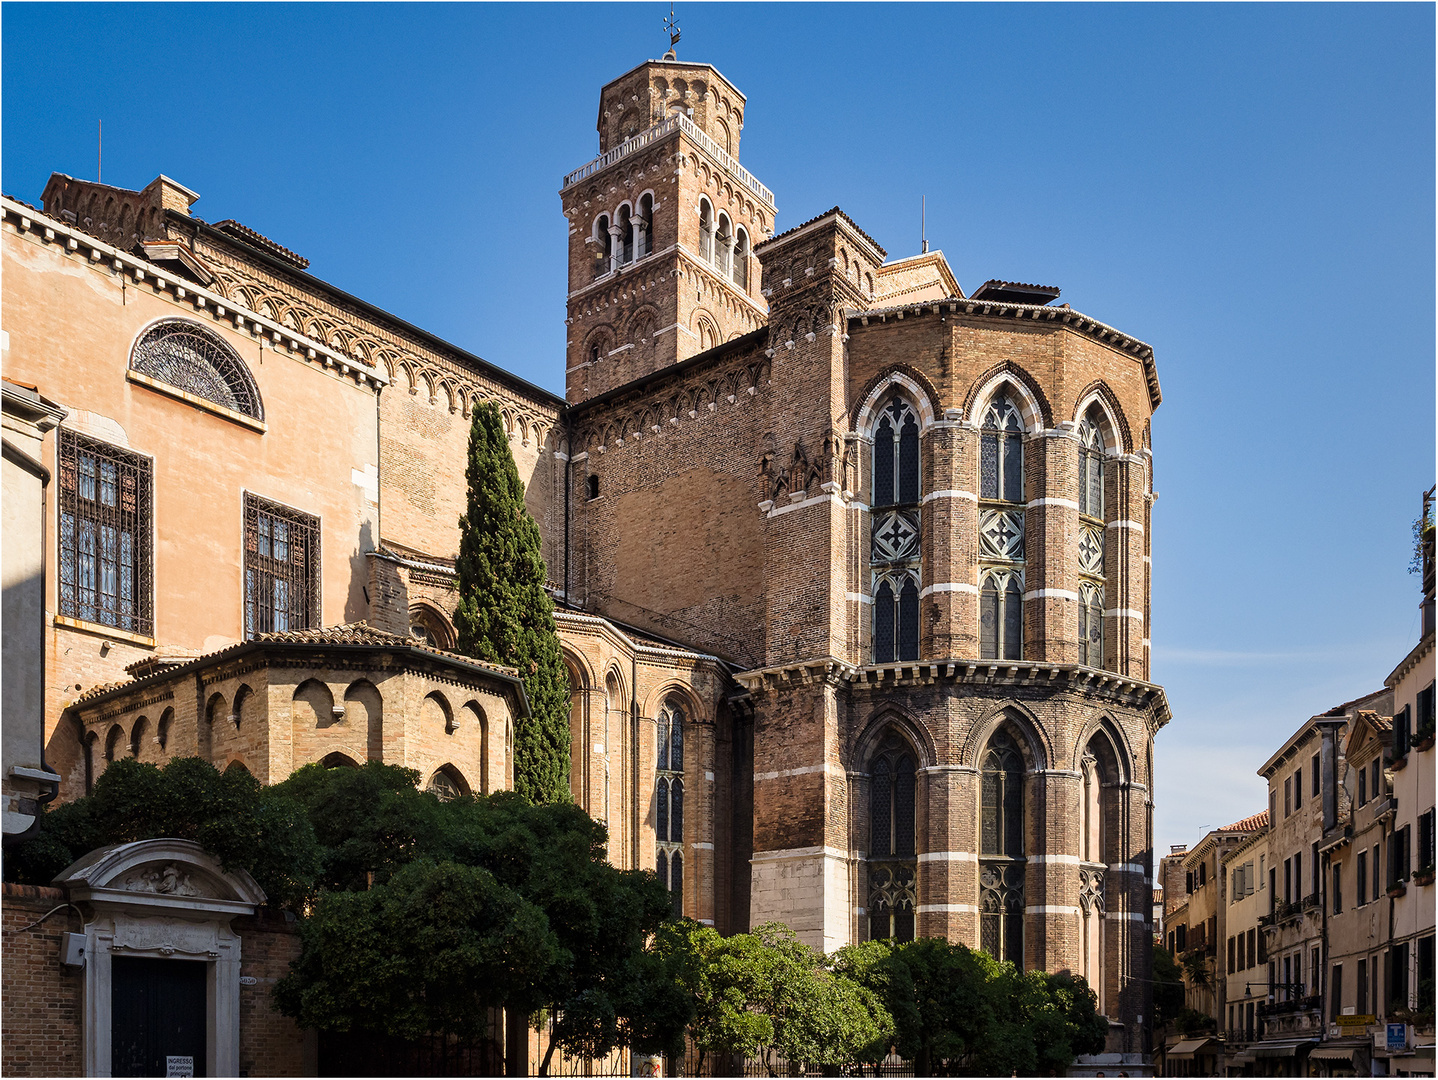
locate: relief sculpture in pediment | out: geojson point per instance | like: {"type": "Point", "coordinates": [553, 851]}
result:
{"type": "Point", "coordinates": [164, 878]}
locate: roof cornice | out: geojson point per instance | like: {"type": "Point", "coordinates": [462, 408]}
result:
{"type": "Point", "coordinates": [1067, 316]}
{"type": "Point", "coordinates": [365, 308]}
{"type": "Point", "coordinates": [1132, 693]}
{"type": "Point", "coordinates": [1409, 662]}
{"type": "Point", "coordinates": [72, 239]}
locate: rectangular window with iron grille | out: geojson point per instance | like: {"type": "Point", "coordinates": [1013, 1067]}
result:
{"type": "Point", "coordinates": [105, 528]}
{"type": "Point", "coordinates": [282, 568]}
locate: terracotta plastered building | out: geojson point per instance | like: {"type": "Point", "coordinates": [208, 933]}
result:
{"type": "Point", "coordinates": [852, 565]}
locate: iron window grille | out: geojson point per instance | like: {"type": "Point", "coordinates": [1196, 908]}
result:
{"type": "Point", "coordinates": [669, 803]}
{"type": "Point", "coordinates": [895, 556]}
{"type": "Point", "coordinates": [893, 866]}
{"type": "Point", "coordinates": [282, 568]}
{"type": "Point", "coordinates": [106, 518]}
{"type": "Point", "coordinates": [198, 361]}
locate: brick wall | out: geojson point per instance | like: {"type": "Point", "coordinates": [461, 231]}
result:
{"type": "Point", "coordinates": [42, 997]}
{"type": "Point", "coordinates": [270, 1044]}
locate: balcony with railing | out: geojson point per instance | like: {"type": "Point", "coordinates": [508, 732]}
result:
{"type": "Point", "coordinates": [659, 131]}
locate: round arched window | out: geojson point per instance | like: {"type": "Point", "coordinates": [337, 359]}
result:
{"type": "Point", "coordinates": [195, 359]}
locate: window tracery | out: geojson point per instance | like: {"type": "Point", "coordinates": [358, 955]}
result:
{"type": "Point", "coordinates": [895, 557]}
{"type": "Point", "coordinates": [669, 801]}
{"type": "Point", "coordinates": [893, 866]}
{"type": "Point", "coordinates": [198, 361]}
{"type": "Point", "coordinates": [1092, 537]}
{"type": "Point", "coordinates": [1001, 530]}
{"type": "Point", "coordinates": [1001, 850]}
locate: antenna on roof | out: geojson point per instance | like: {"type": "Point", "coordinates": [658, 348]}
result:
{"type": "Point", "coordinates": [923, 225]}
{"type": "Point", "coordinates": [100, 153]}
{"type": "Point", "coordinates": [673, 28]}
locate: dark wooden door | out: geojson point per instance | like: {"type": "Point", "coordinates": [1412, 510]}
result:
{"type": "Point", "coordinates": [157, 1012]}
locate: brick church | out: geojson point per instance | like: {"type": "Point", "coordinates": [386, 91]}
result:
{"type": "Point", "coordinates": [851, 567]}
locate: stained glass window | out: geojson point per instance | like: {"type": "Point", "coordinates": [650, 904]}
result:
{"type": "Point", "coordinates": [1091, 462]}
{"type": "Point", "coordinates": [1001, 453]}
{"type": "Point", "coordinates": [669, 799]}
{"type": "Point", "coordinates": [894, 549]}
{"type": "Point", "coordinates": [892, 835]}
{"type": "Point", "coordinates": [1091, 624]}
{"type": "Point", "coordinates": [1001, 849]}
{"type": "Point", "coordinates": [1001, 616]}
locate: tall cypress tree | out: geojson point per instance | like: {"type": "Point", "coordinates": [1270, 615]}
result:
{"type": "Point", "coordinates": [504, 614]}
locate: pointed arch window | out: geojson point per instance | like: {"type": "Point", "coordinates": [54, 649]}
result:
{"type": "Point", "coordinates": [1091, 463]}
{"type": "Point", "coordinates": [1001, 451]}
{"type": "Point", "coordinates": [1001, 615]}
{"type": "Point", "coordinates": [893, 867]}
{"type": "Point", "coordinates": [196, 360]}
{"type": "Point", "coordinates": [1091, 624]}
{"type": "Point", "coordinates": [1092, 537]}
{"type": "Point", "coordinates": [669, 801]}
{"type": "Point", "coordinates": [894, 551]}
{"type": "Point", "coordinates": [1002, 528]}
{"type": "Point", "coordinates": [1001, 850]}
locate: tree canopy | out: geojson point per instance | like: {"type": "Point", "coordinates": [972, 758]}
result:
{"type": "Point", "coordinates": [504, 615]}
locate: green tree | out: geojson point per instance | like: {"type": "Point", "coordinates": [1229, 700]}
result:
{"type": "Point", "coordinates": [768, 995]}
{"type": "Point", "coordinates": [600, 982]}
{"type": "Point", "coordinates": [427, 952]}
{"type": "Point", "coordinates": [261, 830]}
{"type": "Point", "coordinates": [504, 614]}
{"type": "Point", "coordinates": [938, 994]}
{"type": "Point", "coordinates": [1167, 987]}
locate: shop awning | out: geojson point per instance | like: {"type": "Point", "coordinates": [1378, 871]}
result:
{"type": "Point", "coordinates": [1336, 1053]}
{"type": "Point", "coordinates": [1192, 1048]}
{"type": "Point", "coordinates": [1281, 1047]}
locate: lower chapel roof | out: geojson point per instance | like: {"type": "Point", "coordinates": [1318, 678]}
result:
{"type": "Point", "coordinates": [350, 636]}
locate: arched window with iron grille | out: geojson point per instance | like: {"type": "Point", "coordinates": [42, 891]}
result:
{"type": "Point", "coordinates": [194, 359]}
{"type": "Point", "coordinates": [893, 866]}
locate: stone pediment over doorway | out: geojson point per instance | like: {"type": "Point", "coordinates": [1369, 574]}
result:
{"type": "Point", "coordinates": [165, 874]}
{"type": "Point", "coordinates": [160, 900]}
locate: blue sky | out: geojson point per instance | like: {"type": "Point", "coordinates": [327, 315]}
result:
{"type": "Point", "coordinates": [1250, 189]}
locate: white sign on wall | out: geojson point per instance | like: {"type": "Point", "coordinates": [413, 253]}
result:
{"type": "Point", "coordinates": [179, 1065]}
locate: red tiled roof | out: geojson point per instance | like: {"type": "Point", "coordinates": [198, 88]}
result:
{"type": "Point", "coordinates": [821, 217]}
{"type": "Point", "coordinates": [264, 243]}
{"type": "Point", "coordinates": [357, 633]}
{"type": "Point", "coordinates": [1249, 824]}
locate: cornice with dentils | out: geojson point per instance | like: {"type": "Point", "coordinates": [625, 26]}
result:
{"type": "Point", "coordinates": [28, 221]}
{"type": "Point", "coordinates": [1074, 320]}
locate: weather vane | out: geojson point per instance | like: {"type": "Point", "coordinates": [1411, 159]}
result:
{"type": "Point", "coordinates": [673, 28]}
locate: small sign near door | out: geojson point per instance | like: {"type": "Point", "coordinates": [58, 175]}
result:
{"type": "Point", "coordinates": [179, 1065]}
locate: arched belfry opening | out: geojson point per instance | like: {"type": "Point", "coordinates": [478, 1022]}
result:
{"type": "Point", "coordinates": [893, 839]}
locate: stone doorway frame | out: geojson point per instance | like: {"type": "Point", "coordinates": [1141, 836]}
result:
{"type": "Point", "coordinates": [167, 899]}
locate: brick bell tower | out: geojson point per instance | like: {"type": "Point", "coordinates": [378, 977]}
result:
{"type": "Point", "coordinates": [662, 228]}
